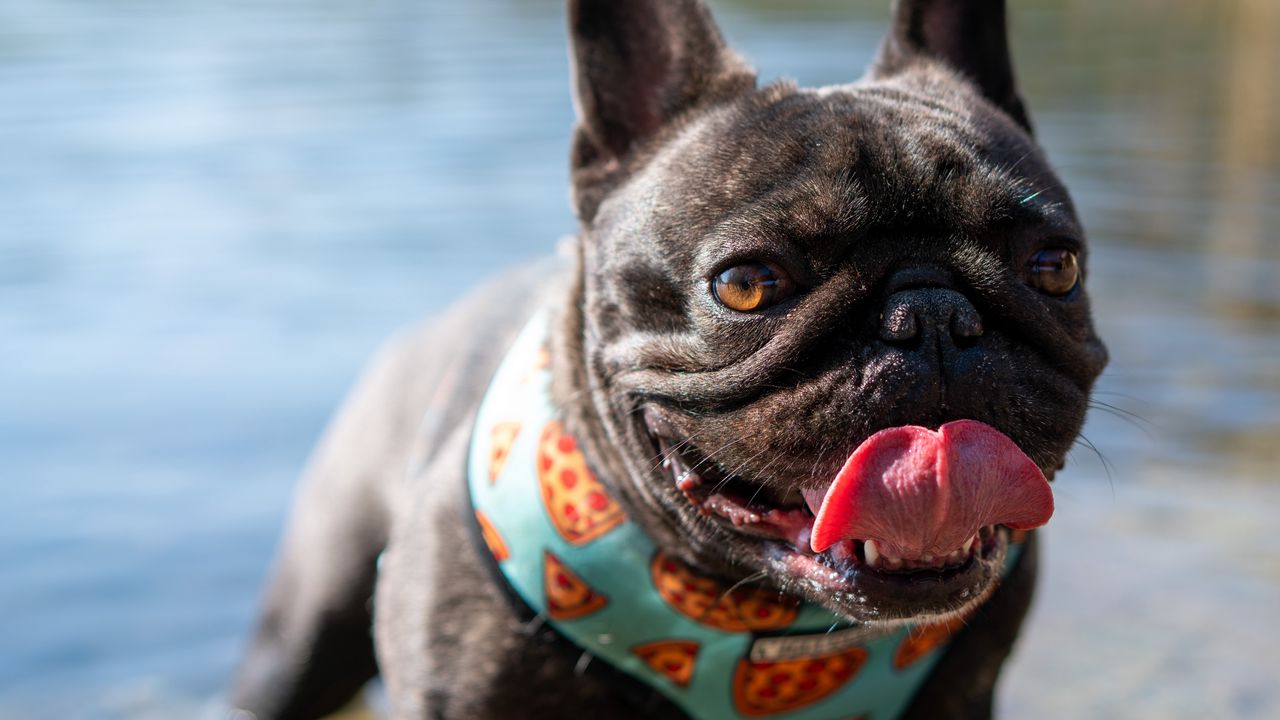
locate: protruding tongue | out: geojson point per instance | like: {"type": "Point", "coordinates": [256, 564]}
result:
{"type": "Point", "coordinates": [915, 491]}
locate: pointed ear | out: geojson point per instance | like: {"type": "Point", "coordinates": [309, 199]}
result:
{"type": "Point", "coordinates": [637, 65]}
{"type": "Point", "coordinates": [967, 35]}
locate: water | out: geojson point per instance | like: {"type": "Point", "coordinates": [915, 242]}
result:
{"type": "Point", "coordinates": [213, 212]}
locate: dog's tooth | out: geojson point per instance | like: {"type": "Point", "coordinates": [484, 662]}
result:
{"type": "Point", "coordinates": [871, 551]}
{"type": "Point", "coordinates": [892, 562]}
{"type": "Point", "coordinates": [927, 557]}
{"type": "Point", "coordinates": [968, 544]}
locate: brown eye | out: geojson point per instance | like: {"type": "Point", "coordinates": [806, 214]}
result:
{"type": "Point", "coordinates": [750, 287]}
{"type": "Point", "coordinates": [1053, 271]}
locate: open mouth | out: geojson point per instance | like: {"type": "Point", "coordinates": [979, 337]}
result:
{"type": "Point", "coordinates": [812, 539]}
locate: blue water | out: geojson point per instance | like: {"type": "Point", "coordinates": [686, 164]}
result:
{"type": "Point", "coordinates": [212, 212]}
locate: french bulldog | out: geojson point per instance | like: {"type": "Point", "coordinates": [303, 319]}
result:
{"type": "Point", "coordinates": [830, 342]}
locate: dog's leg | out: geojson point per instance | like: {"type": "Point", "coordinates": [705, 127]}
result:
{"type": "Point", "coordinates": [313, 648]}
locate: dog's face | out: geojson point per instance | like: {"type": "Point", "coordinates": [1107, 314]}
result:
{"type": "Point", "coordinates": [772, 276]}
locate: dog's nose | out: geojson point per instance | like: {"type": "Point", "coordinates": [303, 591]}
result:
{"type": "Point", "coordinates": [922, 312]}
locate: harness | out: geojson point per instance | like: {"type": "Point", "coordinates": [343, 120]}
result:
{"type": "Point", "coordinates": [571, 559]}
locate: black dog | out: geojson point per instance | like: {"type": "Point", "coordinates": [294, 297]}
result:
{"type": "Point", "coordinates": [862, 303]}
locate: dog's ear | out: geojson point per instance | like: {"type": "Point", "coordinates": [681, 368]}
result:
{"type": "Point", "coordinates": [637, 65]}
{"type": "Point", "coordinates": [967, 35]}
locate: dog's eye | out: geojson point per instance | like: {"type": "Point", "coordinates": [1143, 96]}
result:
{"type": "Point", "coordinates": [1054, 271]}
{"type": "Point", "coordinates": [751, 287]}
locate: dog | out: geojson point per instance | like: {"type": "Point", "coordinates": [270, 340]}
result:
{"type": "Point", "coordinates": [814, 356]}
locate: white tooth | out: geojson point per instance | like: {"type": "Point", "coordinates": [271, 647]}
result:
{"type": "Point", "coordinates": [927, 557]}
{"type": "Point", "coordinates": [872, 552]}
{"type": "Point", "coordinates": [954, 556]}
{"type": "Point", "coordinates": [893, 562]}
{"type": "Point", "coordinates": [968, 544]}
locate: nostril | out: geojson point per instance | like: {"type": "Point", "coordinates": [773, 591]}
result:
{"type": "Point", "coordinates": [922, 312]}
{"type": "Point", "coordinates": [965, 322]}
{"type": "Point", "coordinates": [898, 323]}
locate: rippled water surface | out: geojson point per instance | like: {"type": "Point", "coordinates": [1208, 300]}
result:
{"type": "Point", "coordinates": [211, 212]}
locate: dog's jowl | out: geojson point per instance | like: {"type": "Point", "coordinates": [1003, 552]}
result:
{"type": "Point", "coordinates": [773, 443]}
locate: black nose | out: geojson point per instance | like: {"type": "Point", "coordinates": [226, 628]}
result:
{"type": "Point", "coordinates": [927, 312]}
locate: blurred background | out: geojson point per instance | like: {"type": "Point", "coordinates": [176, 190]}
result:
{"type": "Point", "coordinates": [212, 211]}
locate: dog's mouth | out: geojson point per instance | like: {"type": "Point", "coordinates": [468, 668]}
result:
{"type": "Point", "coordinates": [915, 525]}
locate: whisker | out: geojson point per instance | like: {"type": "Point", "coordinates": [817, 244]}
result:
{"type": "Point", "coordinates": [1134, 419]}
{"type": "Point", "coordinates": [1106, 464]}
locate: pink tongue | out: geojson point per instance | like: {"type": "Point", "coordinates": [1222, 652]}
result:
{"type": "Point", "coordinates": [915, 491]}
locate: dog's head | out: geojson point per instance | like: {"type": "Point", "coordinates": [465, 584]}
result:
{"type": "Point", "coordinates": [770, 277]}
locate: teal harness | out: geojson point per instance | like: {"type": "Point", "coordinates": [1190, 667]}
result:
{"type": "Point", "coordinates": [717, 652]}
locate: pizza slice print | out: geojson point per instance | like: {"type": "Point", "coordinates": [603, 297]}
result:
{"type": "Point", "coordinates": [568, 596]}
{"type": "Point", "coordinates": [575, 500]}
{"type": "Point", "coordinates": [767, 688]}
{"type": "Point", "coordinates": [673, 659]}
{"type": "Point", "coordinates": [712, 603]}
{"type": "Point", "coordinates": [501, 438]}
{"type": "Point", "coordinates": [492, 539]}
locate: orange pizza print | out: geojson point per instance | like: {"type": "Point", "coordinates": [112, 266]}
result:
{"type": "Point", "coordinates": [673, 659]}
{"type": "Point", "coordinates": [767, 688]}
{"type": "Point", "coordinates": [497, 546]}
{"type": "Point", "coordinates": [501, 438]}
{"type": "Point", "coordinates": [710, 602]}
{"type": "Point", "coordinates": [575, 500]}
{"type": "Point", "coordinates": [568, 597]}
{"type": "Point", "coordinates": [921, 640]}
